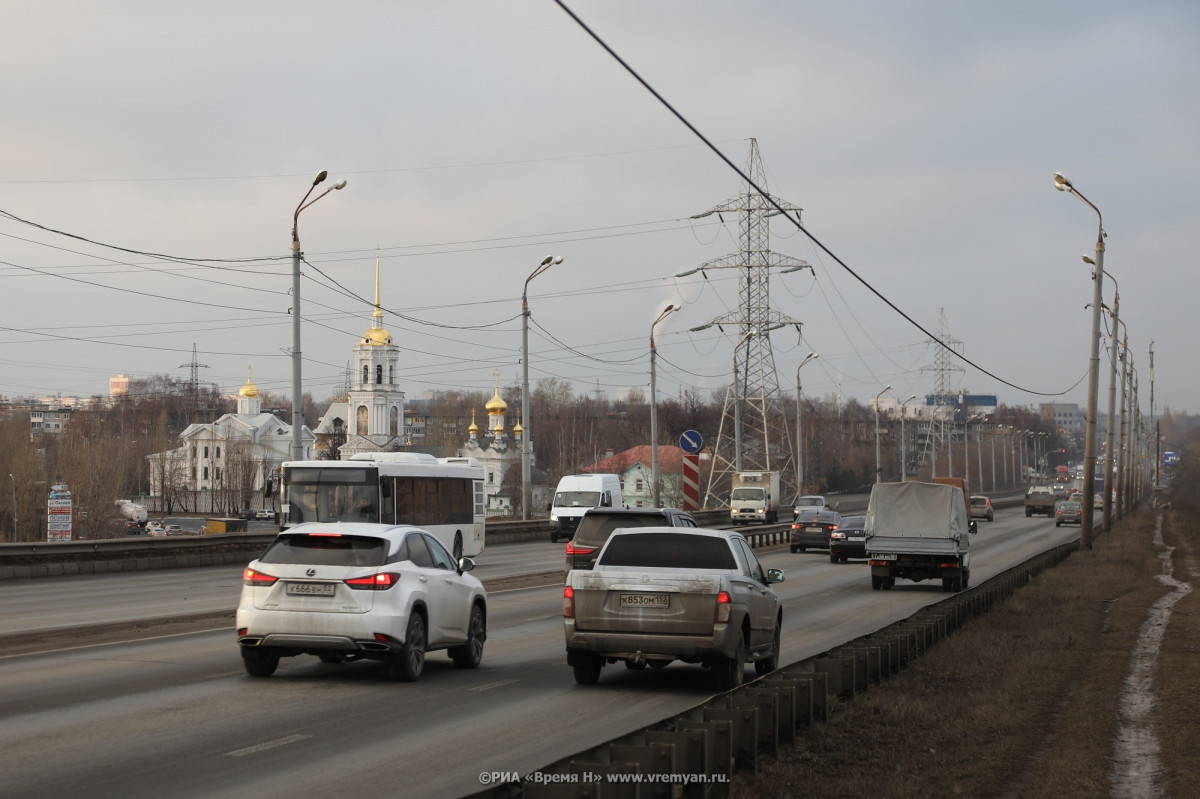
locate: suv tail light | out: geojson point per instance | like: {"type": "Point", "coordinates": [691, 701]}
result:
{"type": "Point", "coordinates": [568, 602]}
{"type": "Point", "coordinates": [573, 549]}
{"type": "Point", "coordinates": [376, 582]}
{"type": "Point", "coordinates": [252, 577]}
{"type": "Point", "coordinates": [724, 607]}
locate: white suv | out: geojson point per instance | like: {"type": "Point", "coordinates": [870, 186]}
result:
{"type": "Point", "coordinates": [360, 591]}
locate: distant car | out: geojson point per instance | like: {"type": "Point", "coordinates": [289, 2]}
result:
{"type": "Point", "coordinates": [597, 525]}
{"type": "Point", "coordinates": [174, 529]}
{"type": "Point", "coordinates": [155, 528]}
{"type": "Point", "coordinates": [849, 540]}
{"type": "Point", "coordinates": [134, 528]}
{"type": "Point", "coordinates": [812, 529]}
{"type": "Point", "coordinates": [1098, 502]}
{"type": "Point", "coordinates": [351, 591]}
{"type": "Point", "coordinates": [981, 508]}
{"type": "Point", "coordinates": [1068, 512]}
{"type": "Point", "coordinates": [267, 514]}
{"type": "Point", "coordinates": [811, 502]}
{"type": "Point", "coordinates": [1060, 491]}
{"type": "Point", "coordinates": [248, 513]}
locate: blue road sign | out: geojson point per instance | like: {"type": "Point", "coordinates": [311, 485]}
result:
{"type": "Point", "coordinates": [690, 442]}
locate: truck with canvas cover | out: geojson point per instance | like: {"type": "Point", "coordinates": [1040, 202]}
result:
{"type": "Point", "coordinates": [754, 497]}
{"type": "Point", "coordinates": [918, 531]}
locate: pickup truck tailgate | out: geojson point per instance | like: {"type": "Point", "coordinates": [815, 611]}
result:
{"type": "Point", "coordinates": [632, 602]}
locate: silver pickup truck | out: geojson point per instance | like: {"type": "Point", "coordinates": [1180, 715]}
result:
{"type": "Point", "coordinates": [660, 594]}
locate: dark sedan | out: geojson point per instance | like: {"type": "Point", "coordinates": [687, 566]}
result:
{"type": "Point", "coordinates": [849, 540]}
{"type": "Point", "coordinates": [812, 529]}
{"type": "Point", "coordinates": [1068, 513]}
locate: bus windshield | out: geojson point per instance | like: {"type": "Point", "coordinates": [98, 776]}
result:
{"type": "Point", "coordinates": [333, 495]}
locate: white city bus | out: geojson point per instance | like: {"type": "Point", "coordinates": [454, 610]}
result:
{"type": "Point", "coordinates": [441, 495]}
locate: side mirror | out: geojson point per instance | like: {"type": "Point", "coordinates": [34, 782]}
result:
{"type": "Point", "coordinates": [774, 576]}
{"type": "Point", "coordinates": [465, 565]}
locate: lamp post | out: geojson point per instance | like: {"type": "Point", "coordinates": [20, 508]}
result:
{"type": "Point", "coordinates": [297, 256]}
{"type": "Point", "coordinates": [14, 488]}
{"type": "Point", "coordinates": [670, 309]}
{"type": "Point", "coordinates": [878, 461]}
{"type": "Point", "coordinates": [1089, 452]}
{"type": "Point", "coordinates": [1106, 503]}
{"type": "Point", "coordinates": [527, 435]}
{"type": "Point", "coordinates": [992, 438]}
{"type": "Point", "coordinates": [812, 356]}
{"type": "Point", "coordinates": [903, 442]}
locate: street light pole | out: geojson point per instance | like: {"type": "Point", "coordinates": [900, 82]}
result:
{"type": "Point", "coordinates": [1109, 455]}
{"type": "Point", "coordinates": [297, 256]}
{"type": "Point", "coordinates": [812, 356]}
{"type": "Point", "coordinates": [526, 435]}
{"type": "Point", "coordinates": [903, 442]}
{"type": "Point", "coordinates": [14, 488]}
{"type": "Point", "coordinates": [1089, 452]}
{"type": "Point", "coordinates": [878, 460]}
{"type": "Point", "coordinates": [670, 309]}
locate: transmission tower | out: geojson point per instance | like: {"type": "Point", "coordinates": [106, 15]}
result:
{"type": "Point", "coordinates": [195, 366]}
{"type": "Point", "coordinates": [753, 433]}
{"type": "Point", "coordinates": [943, 398]}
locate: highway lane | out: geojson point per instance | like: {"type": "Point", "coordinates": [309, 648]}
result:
{"type": "Point", "coordinates": [177, 715]}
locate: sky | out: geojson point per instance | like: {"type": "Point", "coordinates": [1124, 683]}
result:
{"type": "Point", "coordinates": [155, 153]}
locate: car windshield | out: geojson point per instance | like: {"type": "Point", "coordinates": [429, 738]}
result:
{"type": "Point", "coordinates": [818, 501]}
{"type": "Point", "coordinates": [327, 550]}
{"type": "Point", "coordinates": [746, 493]}
{"type": "Point", "coordinates": [828, 516]}
{"type": "Point", "coordinates": [807, 515]}
{"type": "Point", "coordinates": [594, 529]}
{"type": "Point", "coordinates": [1069, 506]}
{"type": "Point", "coordinates": [852, 523]}
{"type": "Point", "coordinates": [978, 500]}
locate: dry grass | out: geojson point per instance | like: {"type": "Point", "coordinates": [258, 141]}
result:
{"type": "Point", "coordinates": [1022, 702]}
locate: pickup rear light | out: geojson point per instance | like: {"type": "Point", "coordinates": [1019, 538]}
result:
{"type": "Point", "coordinates": [375, 582]}
{"type": "Point", "coordinates": [252, 577]}
{"type": "Point", "coordinates": [573, 549]}
{"type": "Point", "coordinates": [724, 608]}
{"type": "Point", "coordinates": [568, 602]}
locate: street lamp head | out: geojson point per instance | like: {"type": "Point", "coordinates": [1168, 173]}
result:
{"type": "Point", "coordinates": [675, 307]}
{"type": "Point", "coordinates": [1061, 183]}
{"type": "Point", "coordinates": [552, 259]}
{"type": "Point", "coordinates": [1087, 259]}
{"type": "Point", "coordinates": [341, 184]}
{"type": "Point", "coordinates": [320, 177]}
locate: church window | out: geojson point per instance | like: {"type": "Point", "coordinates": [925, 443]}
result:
{"type": "Point", "coordinates": [394, 421]}
{"type": "Point", "coordinates": [491, 478]}
{"type": "Point", "coordinates": [378, 374]}
{"type": "Point", "coordinates": [206, 451]}
{"type": "Point", "coordinates": [366, 374]}
{"type": "Point", "coordinates": [361, 427]}
{"type": "Point", "coordinates": [205, 474]}
{"type": "Point", "coordinates": [392, 375]}
{"type": "Point", "coordinates": [218, 452]}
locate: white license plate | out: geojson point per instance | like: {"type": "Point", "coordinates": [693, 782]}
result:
{"type": "Point", "coordinates": [856, 540]}
{"type": "Point", "coordinates": [310, 589]}
{"type": "Point", "coordinates": [883, 557]}
{"type": "Point", "coordinates": [645, 600]}
{"type": "Point", "coordinates": [814, 529]}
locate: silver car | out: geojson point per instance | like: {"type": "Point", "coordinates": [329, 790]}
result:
{"type": "Point", "coordinates": [347, 592]}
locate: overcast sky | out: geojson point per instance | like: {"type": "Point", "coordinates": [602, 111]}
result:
{"type": "Point", "coordinates": [920, 138]}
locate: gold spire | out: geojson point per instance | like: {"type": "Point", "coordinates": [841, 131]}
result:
{"type": "Point", "coordinates": [248, 390]}
{"type": "Point", "coordinates": [474, 428]}
{"type": "Point", "coordinates": [376, 336]}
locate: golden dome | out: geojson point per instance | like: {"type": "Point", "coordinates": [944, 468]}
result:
{"type": "Point", "coordinates": [474, 428]}
{"type": "Point", "coordinates": [248, 390]}
{"type": "Point", "coordinates": [517, 429]}
{"type": "Point", "coordinates": [376, 337]}
{"type": "Point", "coordinates": [495, 405]}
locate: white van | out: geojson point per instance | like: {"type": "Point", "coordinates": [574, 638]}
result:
{"type": "Point", "coordinates": [576, 495]}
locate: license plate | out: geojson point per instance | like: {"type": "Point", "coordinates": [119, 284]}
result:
{"type": "Point", "coordinates": [645, 600]}
{"type": "Point", "coordinates": [814, 529]}
{"type": "Point", "coordinates": [310, 589]}
{"type": "Point", "coordinates": [856, 539]}
{"type": "Point", "coordinates": [883, 557]}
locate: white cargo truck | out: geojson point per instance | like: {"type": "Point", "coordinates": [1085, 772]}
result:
{"type": "Point", "coordinates": [754, 497]}
{"type": "Point", "coordinates": [576, 495]}
{"type": "Point", "coordinates": [918, 531]}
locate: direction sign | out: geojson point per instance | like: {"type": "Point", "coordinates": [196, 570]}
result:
{"type": "Point", "coordinates": [690, 441]}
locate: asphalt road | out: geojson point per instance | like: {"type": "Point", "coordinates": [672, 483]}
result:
{"type": "Point", "coordinates": [176, 715]}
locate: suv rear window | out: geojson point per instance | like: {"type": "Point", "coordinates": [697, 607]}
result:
{"type": "Point", "coordinates": [595, 528]}
{"type": "Point", "coordinates": [682, 551]}
{"type": "Point", "coordinates": [326, 550]}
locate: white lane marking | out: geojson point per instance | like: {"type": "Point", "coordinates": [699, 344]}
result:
{"type": "Point", "coordinates": [489, 686]}
{"type": "Point", "coordinates": [262, 747]}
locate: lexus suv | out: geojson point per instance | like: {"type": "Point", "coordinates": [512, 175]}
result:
{"type": "Point", "coordinates": [347, 592]}
{"type": "Point", "coordinates": [598, 523]}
